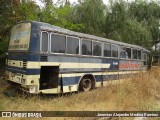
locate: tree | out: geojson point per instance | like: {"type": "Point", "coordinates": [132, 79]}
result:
{"type": "Point", "coordinates": [121, 25]}
{"type": "Point", "coordinates": [92, 14]}
{"type": "Point", "coordinates": [147, 14]}
{"type": "Point", "coordinates": [60, 15]}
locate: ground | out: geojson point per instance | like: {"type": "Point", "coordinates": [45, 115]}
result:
{"type": "Point", "coordinates": [138, 93]}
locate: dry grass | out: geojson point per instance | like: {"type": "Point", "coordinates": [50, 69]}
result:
{"type": "Point", "coordinates": [140, 93]}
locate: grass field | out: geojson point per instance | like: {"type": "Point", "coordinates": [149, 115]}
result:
{"type": "Point", "coordinates": [138, 93]}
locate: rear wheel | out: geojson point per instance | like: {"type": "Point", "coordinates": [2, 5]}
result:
{"type": "Point", "coordinates": [85, 84]}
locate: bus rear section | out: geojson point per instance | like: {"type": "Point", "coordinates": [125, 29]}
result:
{"type": "Point", "coordinates": [18, 70]}
{"type": "Point", "coordinates": [25, 67]}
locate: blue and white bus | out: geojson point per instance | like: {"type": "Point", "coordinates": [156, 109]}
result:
{"type": "Point", "coordinates": [47, 59]}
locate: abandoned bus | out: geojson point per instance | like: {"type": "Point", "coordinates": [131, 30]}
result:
{"type": "Point", "coordinates": [48, 59]}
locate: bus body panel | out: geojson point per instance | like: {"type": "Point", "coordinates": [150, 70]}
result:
{"type": "Point", "coordinates": [51, 73]}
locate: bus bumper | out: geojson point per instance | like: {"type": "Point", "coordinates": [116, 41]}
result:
{"type": "Point", "coordinates": [28, 84]}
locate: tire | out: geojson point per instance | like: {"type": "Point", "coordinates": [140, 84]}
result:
{"type": "Point", "coordinates": [85, 84]}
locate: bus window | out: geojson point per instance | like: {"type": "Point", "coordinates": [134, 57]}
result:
{"type": "Point", "coordinates": [44, 42]}
{"type": "Point", "coordinates": [145, 58]}
{"type": "Point", "coordinates": [134, 53]}
{"type": "Point", "coordinates": [58, 43]}
{"type": "Point", "coordinates": [123, 52]}
{"type": "Point", "coordinates": [72, 45]}
{"type": "Point", "coordinates": [107, 50]}
{"type": "Point", "coordinates": [114, 50]}
{"type": "Point", "coordinates": [86, 47]}
{"type": "Point", "coordinates": [97, 48]}
{"type": "Point", "coordinates": [128, 53]}
{"type": "Point", "coordinates": [139, 54]}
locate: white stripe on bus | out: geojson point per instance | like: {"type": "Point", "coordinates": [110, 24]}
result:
{"type": "Point", "coordinates": [37, 65]}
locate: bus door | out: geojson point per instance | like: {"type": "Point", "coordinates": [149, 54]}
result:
{"type": "Point", "coordinates": [49, 77]}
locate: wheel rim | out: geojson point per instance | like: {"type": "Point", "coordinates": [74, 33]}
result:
{"type": "Point", "coordinates": [86, 84]}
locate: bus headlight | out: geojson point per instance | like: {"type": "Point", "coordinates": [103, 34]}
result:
{"type": "Point", "coordinates": [32, 81]}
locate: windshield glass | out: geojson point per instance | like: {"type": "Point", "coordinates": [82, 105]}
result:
{"type": "Point", "coordinates": [20, 37]}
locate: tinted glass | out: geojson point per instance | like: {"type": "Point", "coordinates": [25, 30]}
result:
{"type": "Point", "coordinates": [139, 54]}
{"type": "Point", "coordinates": [72, 45]}
{"type": "Point", "coordinates": [123, 52]}
{"type": "Point", "coordinates": [134, 54]}
{"type": "Point", "coordinates": [128, 53]}
{"type": "Point", "coordinates": [86, 47]}
{"type": "Point", "coordinates": [44, 43]}
{"type": "Point", "coordinates": [145, 59]}
{"type": "Point", "coordinates": [97, 49]}
{"type": "Point", "coordinates": [114, 50]}
{"type": "Point", "coordinates": [58, 43]}
{"type": "Point", "coordinates": [107, 50]}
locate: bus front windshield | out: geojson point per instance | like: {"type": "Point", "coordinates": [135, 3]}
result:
{"type": "Point", "coordinates": [20, 37]}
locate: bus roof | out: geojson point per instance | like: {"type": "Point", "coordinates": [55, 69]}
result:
{"type": "Point", "coordinates": [49, 27]}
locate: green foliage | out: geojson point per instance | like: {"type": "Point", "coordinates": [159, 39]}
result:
{"type": "Point", "coordinates": [134, 23]}
{"type": "Point", "coordinates": [60, 16]}
{"type": "Point", "coordinates": [28, 11]}
{"type": "Point", "coordinates": [92, 14]}
{"type": "Point", "coordinates": [148, 14]}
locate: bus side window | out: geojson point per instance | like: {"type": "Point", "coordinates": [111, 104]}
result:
{"type": "Point", "coordinates": [72, 45]}
{"type": "Point", "coordinates": [145, 58]}
{"type": "Point", "coordinates": [123, 52]}
{"type": "Point", "coordinates": [128, 53]}
{"type": "Point", "coordinates": [134, 51]}
{"type": "Point", "coordinates": [44, 42]}
{"type": "Point", "coordinates": [139, 54]}
{"type": "Point", "coordinates": [97, 49]}
{"type": "Point", "coordinates": [114, 51]}
{"type": "Point", "coordinates": [58, 43]}
{"type": "Point", "coordinates": [107, 50]}
{"type": "Point", "coordinates": [86, 47]}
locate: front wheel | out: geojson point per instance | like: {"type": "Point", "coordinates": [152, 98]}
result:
{"type": "Point", "coordinates": [85, 84]}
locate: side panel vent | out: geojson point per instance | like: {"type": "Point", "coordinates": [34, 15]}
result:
{"type": "Point", "coordinates": [44, 58]}
{"type": "Point", "coordinates": [24, 63]}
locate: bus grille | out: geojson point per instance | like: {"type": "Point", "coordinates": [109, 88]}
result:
{"type": "Point", "coordinates": [44, 58]}
{"type": "Point", "coordinates": [24, 63]}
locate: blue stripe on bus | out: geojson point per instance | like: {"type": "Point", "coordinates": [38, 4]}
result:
{"type": "Point", "coordinates": [58, 58]}
{"type": "Point", "coordinates": [20, 56]}
{"type": "Point", "coordinates": [83, 70]}
{"type": "Point", "coordinates": [99, 78]}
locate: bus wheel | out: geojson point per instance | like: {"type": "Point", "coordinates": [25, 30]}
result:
{"type": "Point", "coordinates": [85, 84]}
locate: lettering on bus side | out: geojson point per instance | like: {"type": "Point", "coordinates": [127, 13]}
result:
{"type": "Point", "coordinates": [129, 65]}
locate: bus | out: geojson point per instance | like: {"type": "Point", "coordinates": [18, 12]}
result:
{"type": "Point", "coordinates": [47, 59]}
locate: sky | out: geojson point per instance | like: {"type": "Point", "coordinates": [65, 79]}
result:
{"type": "Point", "coordinates": [75, 1]}
{"type": "Point", "coordinates": [72, 1]}
{"type": "Point", "coordinates": [104, 1]}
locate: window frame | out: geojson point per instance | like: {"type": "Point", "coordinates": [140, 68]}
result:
{"type": "Point", "coordinates": [43, 31]}
{"type": "Point", "coordinates": [78, 44]}
{"type": "Point", "coordinates": [101, 48]}
{"type": "Point", "coordinates": [91, 46]}
{"type": "Point", "coordinates": [117, 49]}
{"type": "Point", "coordinates": [137, 54]}
{"type": "Point", "coordinates": [120, 52]}
{"type": "Point", "coordinates": [110, 50]}
{"type": "Point", "coordinates": [51, 44]}
{"type": "Point", "coordinates": [133, 54]}
{"type": "Point", "coordinates": [145, 60]}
